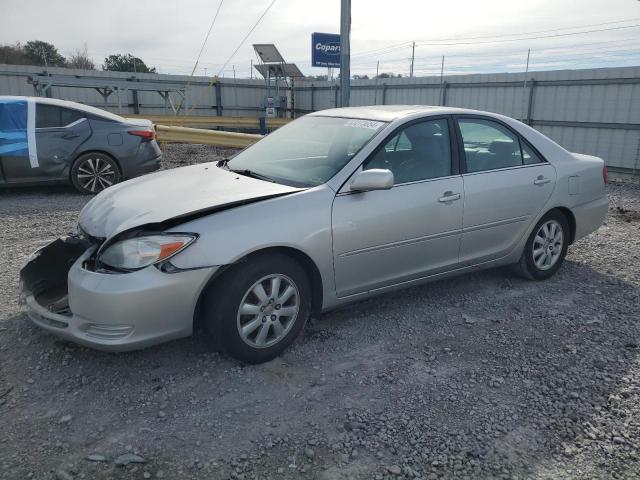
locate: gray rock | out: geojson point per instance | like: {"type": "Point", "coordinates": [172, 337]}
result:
{"type": "Point", "coordinates": [96, 457]}
{"type": "Point", "coordinates": [65, 419]}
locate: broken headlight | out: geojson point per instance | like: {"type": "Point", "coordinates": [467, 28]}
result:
{"type": "Point", "coordinates": [139, 252]}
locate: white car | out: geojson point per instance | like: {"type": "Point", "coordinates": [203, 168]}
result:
{"type": "Point", "coordinates": [337, 206]}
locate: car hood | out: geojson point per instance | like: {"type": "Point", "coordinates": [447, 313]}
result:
{"type": "Point", "coordinates": [172, 194]}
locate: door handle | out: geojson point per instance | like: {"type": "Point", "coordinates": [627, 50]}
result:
{"type": "Point", "coordinates": [449, 197]}
{"type": "Point", "coordinates": [541, 180]}
{"type": "Point", "coordinates": [70, 136]}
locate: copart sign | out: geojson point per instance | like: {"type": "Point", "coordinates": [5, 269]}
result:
{"type": "Point", "coordinates": [325, 50]}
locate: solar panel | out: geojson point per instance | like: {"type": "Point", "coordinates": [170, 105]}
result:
{"type": "Point", "coordinates": [279, 70]}
{"type": "Point", "coordinates": [268, 53]}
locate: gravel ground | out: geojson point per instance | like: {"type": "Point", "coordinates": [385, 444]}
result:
{"type": "Point", "coordinates": [482, 376]}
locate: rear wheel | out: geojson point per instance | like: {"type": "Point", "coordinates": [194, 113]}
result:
{"type": "Point", "coordinates": [93, 172]}
{"type": "Point", "coordinates": [546, 247]}
{"type": "Point", "coordinates": [258, 308]}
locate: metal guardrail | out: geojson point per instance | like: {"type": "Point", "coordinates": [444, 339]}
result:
{"type": "Point", "coordinates": [213, 121]}
{"type": "Point", "coordinates": [171, 134]}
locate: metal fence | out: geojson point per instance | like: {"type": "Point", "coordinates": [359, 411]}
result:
{"type": "Point", "coordinates": [594, 111]}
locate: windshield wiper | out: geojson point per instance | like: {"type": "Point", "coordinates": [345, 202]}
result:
{"type": "Point", "coordinates": [251, 173]}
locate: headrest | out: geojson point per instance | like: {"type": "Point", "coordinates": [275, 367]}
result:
{"type": "Point", "coordinates": [503, 147]}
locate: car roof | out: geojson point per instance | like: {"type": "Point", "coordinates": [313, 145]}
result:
{"type": "Point", "coordinates": [68, 104]}
{"type": "Point", "coordinates": [389, 113]}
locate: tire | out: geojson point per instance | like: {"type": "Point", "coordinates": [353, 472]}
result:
{"type": "Point", "coordinates": [232, 306]}
{"type": "Point", "coordinates": [550, 248]}
{"type": "Point", "coordinates": [93, 172]}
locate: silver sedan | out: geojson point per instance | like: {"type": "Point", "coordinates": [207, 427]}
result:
{"type": "Point", "coordinates": [335, 207]}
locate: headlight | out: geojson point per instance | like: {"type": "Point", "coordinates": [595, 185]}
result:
{"type": "Point", "coordinates": [140, 252]}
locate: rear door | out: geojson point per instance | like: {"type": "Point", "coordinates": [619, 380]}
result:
{"type": "Point", "coordinates": [386, 237]}
{"type": "Point", "coordinates": [506, 184]}
{"type": "Point", "coordinates": [59, 133]}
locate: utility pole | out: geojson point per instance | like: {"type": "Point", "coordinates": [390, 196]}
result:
{"type": "Point", "coordinates": [413, 57]}
{"type": "Point", "coordinates": [375, 101]}
{"type": "Point", "coordinates": [345, 55]}
{"type": "Point", "coordinates": [44, 57]}
{"type": "Point", "coordinates": [441, 82]}
{"type": "Point", "coordinates": [234, 72]}
{"type": "Point", "coordinates": [524, 85]}
{"type": "Point", "coordinates": [251, 69]}
{"type": "Point", "coordinates": [205, 71]}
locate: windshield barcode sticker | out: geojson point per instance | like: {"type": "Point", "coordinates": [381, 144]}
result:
{"type": "Point", "coordinates": [372, 124]}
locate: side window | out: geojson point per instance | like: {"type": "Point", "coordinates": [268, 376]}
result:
{"type": "Point", "coordinates": [529, 156]}
{"type": "Point", "coordinates": [51, 116]}
{"type": "Point", "coordinates": [47, 116]}
{"type": "Point", "coordinates": [419, 152]}
{"type": "Point", "coordinates": [69, 116]}
{"type": "Point", "coordinates": [399, 142]}
{"type": "Point", "coordinates": [488, 145]}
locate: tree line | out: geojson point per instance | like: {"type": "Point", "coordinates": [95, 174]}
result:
{"type": "Point", "coordinates": [37, 52]}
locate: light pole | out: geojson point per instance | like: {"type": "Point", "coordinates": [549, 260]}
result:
{"type": "Point", "coordinates": [345, 71]}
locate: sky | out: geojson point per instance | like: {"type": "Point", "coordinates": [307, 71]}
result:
{"type": "Point", "coordinates": [473, 36]}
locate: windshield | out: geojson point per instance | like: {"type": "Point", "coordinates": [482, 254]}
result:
{"type": "Point", "coordinates": [308, 151]}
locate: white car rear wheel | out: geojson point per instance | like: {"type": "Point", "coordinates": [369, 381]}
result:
{"type": "Point", "coordinates": [546, 247]}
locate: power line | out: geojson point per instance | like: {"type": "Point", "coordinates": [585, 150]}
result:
{"type": "Point", "coordinates": [398, 46]}
{"type": "Point", "coordinates": [206, 38]}
{"type": "Point", "coordinates": [204, 43]}
{"type": "Point", "coordinates": [530, 38]}
{"type": "Point", "coordinates": [248, 34]}
{"type": "Point", "coordinates": [575, 48]}
{"type": "Point", "coordinates": [531, 33]}
{"type": "Point", "coordinates": [255, 25]}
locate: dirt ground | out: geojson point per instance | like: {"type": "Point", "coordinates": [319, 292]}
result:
{"type": "Point", "coordinates": [481, 376]}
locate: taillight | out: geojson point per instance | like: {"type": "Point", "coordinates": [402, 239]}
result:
{"type": "Point", "coordinates": [605, 174]}
{"type": "Point", "coordinates": [146, 135]}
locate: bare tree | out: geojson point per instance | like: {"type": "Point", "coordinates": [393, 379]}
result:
{"type": "Point", "coordinates": [80, 59]}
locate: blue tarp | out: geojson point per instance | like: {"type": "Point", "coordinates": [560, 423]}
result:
{"type": "Point", "coordinates": [13, 127]}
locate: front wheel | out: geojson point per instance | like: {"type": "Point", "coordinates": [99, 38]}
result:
{"type": "Point", "coordinates": [258, 308]}
{"type": "Point", "coordinates": [93, 172]}
{"type": "Point", "coordinates": [546, 247]}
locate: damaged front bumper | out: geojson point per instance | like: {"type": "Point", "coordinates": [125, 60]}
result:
{"type": "Point", "coordinates": [105, 310]}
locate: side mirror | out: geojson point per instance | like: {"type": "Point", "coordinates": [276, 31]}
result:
{"type": "Point", "coordinates": [374, 179]}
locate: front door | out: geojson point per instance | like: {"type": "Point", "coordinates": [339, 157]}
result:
{"type": "Point", "coordinates": [386, 237]}
{"type": "Point", "coordinates": [506, 185]}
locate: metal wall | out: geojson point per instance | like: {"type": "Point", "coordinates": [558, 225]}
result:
{"type": "Point", "coordinates": [594, 111]}
{"type": "Point", "coordinates": [230, 97]}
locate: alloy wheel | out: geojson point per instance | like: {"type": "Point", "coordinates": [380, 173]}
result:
{"type": "Point", "coordinates": [96, 174]}
{"type": "Point", "coordinates": [548, 244]}
{"type": "Point", "coordinates": [268, 310]}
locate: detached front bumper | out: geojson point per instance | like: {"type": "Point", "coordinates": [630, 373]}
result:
{"type": "Point", "coordinates": [110, 311]}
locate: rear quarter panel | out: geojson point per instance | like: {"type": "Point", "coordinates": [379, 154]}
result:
{"type": "Point", "coordinates": [112, 138]}
{"type": "Point", "coordinates": [579, 184]}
